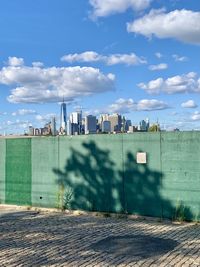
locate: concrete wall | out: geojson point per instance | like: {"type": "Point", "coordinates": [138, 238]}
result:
{"type": "Point", "coordinates": [100, 173]}
{"type": "Point", "coordinates": [2, 169]}
{"type": "Point", "coordinates": [18, 171]}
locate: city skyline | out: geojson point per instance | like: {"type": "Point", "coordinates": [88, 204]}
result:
{"type": "Point", "coordinates": [78, 124]}
{"type": "Point", "coordinates": [136, 58]}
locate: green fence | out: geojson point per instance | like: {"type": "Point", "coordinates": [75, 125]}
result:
{"type": "Point", "coordinates": [101, 173]}
{"type": "Point", "coordinates": [18, 171]}
{"type": "Point", "coordinates": [2, 169]}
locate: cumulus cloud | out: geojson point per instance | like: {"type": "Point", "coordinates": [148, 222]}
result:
{"type": "Point", "coordinates": [195, 116]}
{"type": "Point", "coordinates": [151, 104]}
{"type": "Point", "coordinates": [15, 61]}
{"type": "Point", "coordinates": [161, 66]}
{"type": "Point", "coordinates": [23, 112]}
{"type": "Point", "coordinates": [178, 84]}
{"type": "Point", "coordinates": [122, 106]}
{"type": "Point", "coordinates": [189, 104]}
{"type": "Point", "coordinates": [91, 56]}
{"type": "Point", "coordinates": [38, 64]}
{"type": "Point", "coordinates": [103, 8]}
{"type": "Point", "coordinates": [152, 87]}
{"type": "Point", "coordinates": [39, 85]}
{"type": "Point", "coordinates": [183, 25]}
{"type": "Point", "coordinates": [179, 58]}
{"type": "Point", "coordinates": [127, 105]}
{"type": "Point", "coordinates": [88, 56]}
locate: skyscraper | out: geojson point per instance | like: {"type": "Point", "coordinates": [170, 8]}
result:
{"type": "Point", "coordinates": [90, 124]}
{"type": "Point", "coordinates": [53, 126]}
{"type": "Point", "coordinates": [116, 122]}
{"type": "Point", "coordinates": [143, 125]}
{"type": "Point", "coordinates": [30, 130]}
{"type": "Point", "coordinates": [63, 117]}
{"type": "Point", "coordinates": [106, 127]}
{"type": "Point", "coordinates": [76, 121]}
{"type": "Point", "coordinates": [69, 128]}
{"type": "Point", "coordinates": [102, 118]}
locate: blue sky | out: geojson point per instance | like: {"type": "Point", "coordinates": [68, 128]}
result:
{"type": "Point", "coordinates": [139, 58]}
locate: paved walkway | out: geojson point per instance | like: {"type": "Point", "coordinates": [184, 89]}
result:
{"type": "Point", "coordinates": [29, 238]}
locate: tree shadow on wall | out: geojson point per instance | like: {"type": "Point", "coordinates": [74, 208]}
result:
{"type": "Point", "coordinates": [143, 193]}
{"type": "Point", "coordinates": [90, 176]}
{"type": "Point", "coordinates": [92, 181]}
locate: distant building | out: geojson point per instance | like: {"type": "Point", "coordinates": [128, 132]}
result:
{"type": "Point", "coordinates": [53, 126]}
{"type": "Point", "coordinates": [76, 122]}
{"type": "Point", "coordinates": [44, 131]}
{"type": "Point", "coordinates": [116, 122]}
{"type": "Point", "coordinates": [76, 117]}
{"type": "Point", "coordinates": [102, 118]}
{"type": "Point", "coordinates": [90, 124]}
{"type": "Point", "coordinates": [128, 123]}
{"type": "Point", "coordinates": [83, 126]}
{"type": "Point", "coordinates": [132, 129]}
{"type": "Point", "coordinates": [106, 127]}
{"type": "Point", "coordinates": [143, 125]}
{"type": "Point", "coordinates": [63, 117]}
{"type": "Point", "coordinates": [37, 131]}
{"type": "Point", "coordinates": [30, 130]}
{"type": "Point", "coordinates": [69, 127]}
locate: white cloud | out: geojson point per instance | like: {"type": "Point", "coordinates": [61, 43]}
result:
{"type": "Point", "coordinates": [91, 56]}
{"type": "Point", "coordinates": [38, 85]}
{"type": "Point", "coordinates": [88, 56]}
{"type": "Point", "coordinates": [158, 55]}
{"type": "Point", "coordinates": [153, 87]}
{"type": "Point", "coordinates": [103, 8]}
{"type": "Point", "coordinates": [161, 66]}
{"type": "Point", "coordinates": [15, 61]}
{"type": "Point", "coordinates": [179, 58]}
{"type": "Point", "coordinates": [183, 25]}
{"type": "Point", "coordinates": [178, 84]}
{"type": "Point", "coordinates": [189, 104]}
{"type": "Point", "coordinates": [130, 59]}
{"type": "Point", "coordinates": [37, 64]}
{"type": "Point", "coordinates": [23, 112]}
{"type": "Point", "coordinates": [122, 106]}
{"type": "Point", "coordinates": [151, 104]}
{"type": "Point", "coordinates": [127, 105]}
{"type": "Point", "coordinates": [195, 116]}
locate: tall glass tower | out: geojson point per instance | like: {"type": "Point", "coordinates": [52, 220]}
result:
{"type": "Point", "coordinates": [63, 116]}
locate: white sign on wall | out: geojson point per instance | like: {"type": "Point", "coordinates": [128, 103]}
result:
{"type": "Point", "coordinates": [142, 157]}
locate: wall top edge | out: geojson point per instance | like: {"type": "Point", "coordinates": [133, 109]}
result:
{"type": "Point", "coordinates": [101, 135]}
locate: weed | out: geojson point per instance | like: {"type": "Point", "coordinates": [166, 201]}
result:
{"type": "Point", "coordinates": [64, 196]}
{"type": "Point", "coordinates": [179, 214]}
{"type": "Point", "coordinates": [67, 198]}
